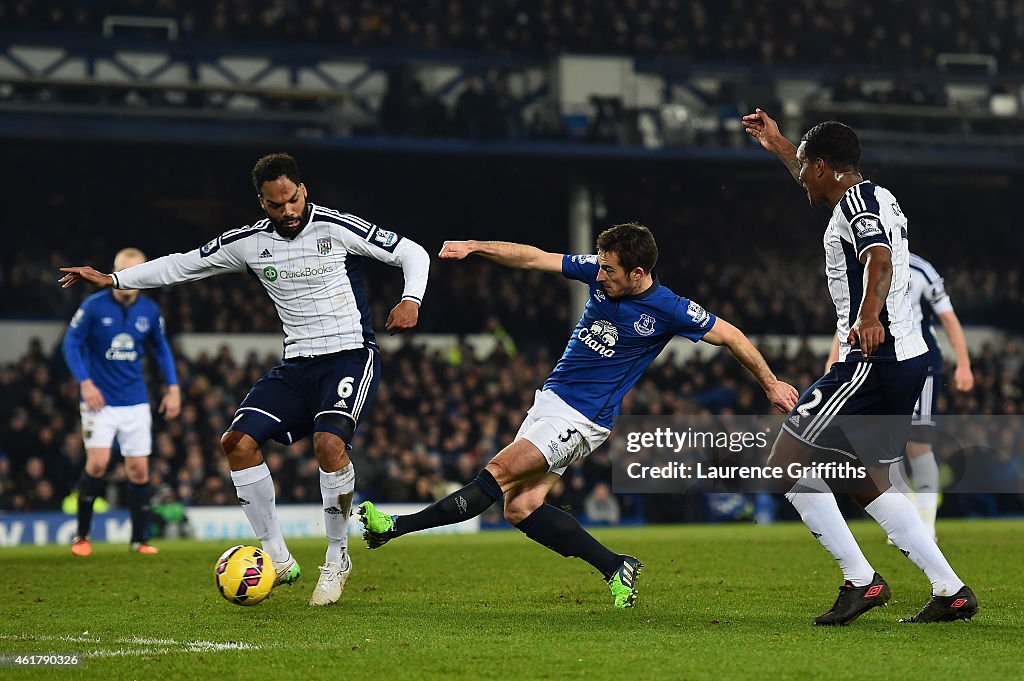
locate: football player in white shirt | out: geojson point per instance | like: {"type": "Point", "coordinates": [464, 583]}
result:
{"type": "Point", "coordinates": [930, 300]}
{"type": "Point", "coordinates": [879, 377]}
{"type": "Point", "coordinates": [309, 259]}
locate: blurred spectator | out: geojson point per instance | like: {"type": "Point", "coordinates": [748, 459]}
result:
{"type": "Point", "coordinates": [848, 89]}
{"type": "Point", "coordinates": [431, 429]}
{"type": "Point", "coordinates": [601, 506]}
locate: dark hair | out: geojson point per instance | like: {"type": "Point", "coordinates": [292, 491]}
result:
{"type": "Point", "coordinates": [273, 166]}
{"type": "Point", "coordinates": [633, 243]}
{"type": "Point", "coordinates": [835, 143]}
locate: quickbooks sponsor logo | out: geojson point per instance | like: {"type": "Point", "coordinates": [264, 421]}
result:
{"type": "Point", "coordinates": [273, 274]}
{"type": "Point", "coordinates": [307, 272]}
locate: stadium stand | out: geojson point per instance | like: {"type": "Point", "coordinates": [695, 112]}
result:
{"type": "Point", "coordinates": [809, 32]}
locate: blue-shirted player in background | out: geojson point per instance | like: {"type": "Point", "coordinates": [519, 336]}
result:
{"type": "Point", "coordinates": [103, 349]}
{"type": "Point", "coordinates": [628, 320]}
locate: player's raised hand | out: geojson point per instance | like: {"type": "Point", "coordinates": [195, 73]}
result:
{"type": "Point", "coordinates": [403, 317]}
{"type": "Point", "coordinates": [963, 378]}
{"type": "Point", "coordinates": [868, 333]}
{"type": "Point", "coordinates": [91, 395]}
{"type": "Point", "coordinates": [782, 395]}
{"type": "Point", "coordinates": [76, 274]}
{"type": "Point", "coordinates": [455, 250]}
{"type": "Point", "coordinates": [765, 130]}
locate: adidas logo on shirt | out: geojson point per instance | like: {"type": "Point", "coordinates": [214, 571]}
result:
{"type": "Point", "coordinates": [266, 253]}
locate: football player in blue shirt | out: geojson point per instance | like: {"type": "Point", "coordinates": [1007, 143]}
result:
{"type": "Point", "coordinates": [103, 349]}
{"type": "Point", "coordinates": [629, 318]}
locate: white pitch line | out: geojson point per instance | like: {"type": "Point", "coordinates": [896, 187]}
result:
{"type": "Point", "coordinates": [189, 647]}
{"type": "Point", "coordinates": [163, 645]}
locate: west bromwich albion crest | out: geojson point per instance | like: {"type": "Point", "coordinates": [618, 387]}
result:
{"type": "Point", "coordinates": [323, 245]}
{"type": "Point", "coordinates": [645, 325]}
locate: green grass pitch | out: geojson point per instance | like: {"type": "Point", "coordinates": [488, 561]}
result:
{"type": "Point", "coordinates": [716, 602]}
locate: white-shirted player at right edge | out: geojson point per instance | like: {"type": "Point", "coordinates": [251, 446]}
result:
{"type": "Point", "coordinates": [881, 370]}
{"type": "Point", "coordinates": [929, 300]}
{"type": "Point", "coordinates": [309, 259]}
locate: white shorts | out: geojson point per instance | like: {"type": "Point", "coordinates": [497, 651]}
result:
{"type": "Point", "coordinates": [562, 434]}
{"type": "Point", "coordinates": [130, 425]}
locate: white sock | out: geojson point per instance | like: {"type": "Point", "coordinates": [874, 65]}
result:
{"type": "Point", "coordinates": [900, 520]}
{"type": "Point", "coordinates": [336, 489]}
{"type": "Point", "coordinates": [255, 489]}
{"type": "Point", "coordinates": [925, 473]}
{"type": "Point", "coordinates": [817, 506]}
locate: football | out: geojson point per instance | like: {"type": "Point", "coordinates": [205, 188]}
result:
{"type": "Point", "coordinates": [244, 575]}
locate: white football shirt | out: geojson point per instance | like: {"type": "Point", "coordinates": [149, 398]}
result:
{"type": "Point", "coordinates": [867, 216]}
{"type": "Point", "coordinates": [315, 279]}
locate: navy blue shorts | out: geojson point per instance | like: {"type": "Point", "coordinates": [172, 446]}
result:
{"type": "Point", "coordinates": [927, 402]}
{"type": "Point", "coordinates": [860, 409]}
{"type": "Point", "coordinates": [303, 395]}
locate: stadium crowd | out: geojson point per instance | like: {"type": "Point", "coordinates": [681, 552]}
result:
{"type": "Point", "coordinates": [438, 418]}
{"type": "Point", "coordinates": [808, 32]}
{"type": "Point", "coordinates": [518, 300]}
{"type": "Point", "coordinates": [773, 285]}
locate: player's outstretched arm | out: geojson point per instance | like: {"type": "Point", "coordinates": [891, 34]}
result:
{"type": "Point", "coordinates": [519, 256]}
{"type": "Point", "coordinates": [963, 379]}
{"type": "Point", "coordinates": [73, 275]}
{"type": "Point", "coordinates": [782, 395]}
{"type": "Point", "coordinates": [765, 130]}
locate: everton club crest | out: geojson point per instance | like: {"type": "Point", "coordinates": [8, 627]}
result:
{"type": "Point", "coordinates": [645, 325]}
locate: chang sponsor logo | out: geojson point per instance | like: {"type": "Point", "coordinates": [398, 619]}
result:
{"type": "Point", "coordinates": [122, 349]}
{"type": "Point", "coordinates": [600, 337]}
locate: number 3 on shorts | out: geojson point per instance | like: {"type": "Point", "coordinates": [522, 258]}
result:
{"type": "Point", "coordinates": [345, 387]}
{"type": "Point", "coordinates": [805, 409]}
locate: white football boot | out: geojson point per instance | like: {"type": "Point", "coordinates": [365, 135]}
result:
{"type": "Point", "coordinates": [333, 577]}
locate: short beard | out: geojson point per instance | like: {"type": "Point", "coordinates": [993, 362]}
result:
{"type": "Point", "coordinates": [292, 233]}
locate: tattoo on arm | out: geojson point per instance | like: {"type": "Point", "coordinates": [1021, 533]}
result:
{"type": "Point", "coordinates": [884, 280]}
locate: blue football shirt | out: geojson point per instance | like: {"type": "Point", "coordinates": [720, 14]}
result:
{"type": "Point", "coordinates": [104, 342]}
{"type": "Point", "coordinates": [616, 340]}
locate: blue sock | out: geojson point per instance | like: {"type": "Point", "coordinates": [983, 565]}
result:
{"type": "Point", "coordinates": [560, 532]}
{"type": "Point", "coordinates": [138, 503]}
{"type": "Point", "coordinates": [462, 504]}
{"type": "Point", "coordinates": [88, 489]}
